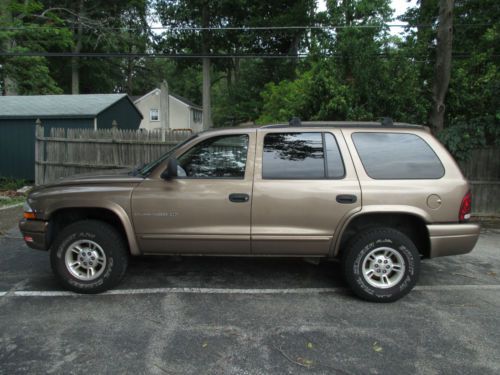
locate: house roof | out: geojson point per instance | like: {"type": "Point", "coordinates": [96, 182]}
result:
{"type": "Point", "coordinates": [58, 106]}
{"type": "Point", "coordinates": [187, 102]}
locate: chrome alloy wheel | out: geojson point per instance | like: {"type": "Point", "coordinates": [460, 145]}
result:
{"type": "Point", "coordinates": [85, 260]}
{"type": "Point", "coordinates": [383, 267]}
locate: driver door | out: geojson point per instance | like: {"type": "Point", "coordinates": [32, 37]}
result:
{"type": "Point", "coordinates": [206, 208]}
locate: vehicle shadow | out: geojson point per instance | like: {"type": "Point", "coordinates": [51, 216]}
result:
{"type": "Point", "coordinates": [231, 272]}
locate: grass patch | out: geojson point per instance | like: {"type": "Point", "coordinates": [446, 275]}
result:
{"type": "Point", "coordinates": [11, 201]}
{"type": "Point", "coordinates": [8, 183]}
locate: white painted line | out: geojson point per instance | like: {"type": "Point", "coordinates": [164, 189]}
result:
{"type": "Point", "coordinates": [446, 288]}
{"type": "Point", "coordinates": [62, 293]}
{"type": "Point", "coordinates": [22, 293]}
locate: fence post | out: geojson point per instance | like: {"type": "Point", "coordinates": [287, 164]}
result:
{"type": "Point", "coordinates": [114, 130]}
{"type": "Point", "coordinates": [39, 152]}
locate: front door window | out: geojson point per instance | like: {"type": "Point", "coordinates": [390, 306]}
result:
{"type": "Point", "coordinates": [217, 157]}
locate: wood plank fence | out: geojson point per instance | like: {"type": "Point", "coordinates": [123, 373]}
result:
{"type": "Point", "coordinates": [72, 151]}
{"type": "Point", "coordinates": [66, 152]}
{"type": "Point", "coordinates": [482, 169]}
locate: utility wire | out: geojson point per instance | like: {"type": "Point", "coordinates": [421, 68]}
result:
{"type": "Point", "coordinates": [194, 55]}
{"type": "Point", "coordinates": [245, 28]}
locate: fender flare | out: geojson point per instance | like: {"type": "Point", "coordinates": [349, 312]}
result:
{"type": "Point", "coordinates": [115, 208]}
{"type": "Point", "coordinates": [376, 209]}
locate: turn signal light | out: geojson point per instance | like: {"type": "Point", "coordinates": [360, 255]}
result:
{"type": "Point", "coordinates": [29, 215]}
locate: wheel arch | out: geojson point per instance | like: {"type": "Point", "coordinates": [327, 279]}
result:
{"type": "Point", "coordinates": [411, 224]}
{"type": "Point", "coordinates": [111, 213]}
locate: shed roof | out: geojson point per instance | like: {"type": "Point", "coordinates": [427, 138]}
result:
{"type": "Point", "coordinates": [57, 106]}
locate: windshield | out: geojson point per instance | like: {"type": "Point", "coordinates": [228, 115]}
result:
{"type": "Point", "coordinates": [146, 169]}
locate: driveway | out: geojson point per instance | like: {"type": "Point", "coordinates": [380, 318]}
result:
{"type": "Point", "coordinates": [249, 316]}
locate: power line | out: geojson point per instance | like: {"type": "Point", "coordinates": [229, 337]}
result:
{"type": "Point", "coordinates": [196, 56]}
{"type": "Point", "coordinates": [245, 28]}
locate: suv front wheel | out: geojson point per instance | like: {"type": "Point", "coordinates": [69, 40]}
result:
{"type": "Point", "coordinates": [89, 256]}
{"type": "Point", "coordinates": [381, 265]}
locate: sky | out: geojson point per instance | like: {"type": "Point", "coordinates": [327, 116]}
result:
{"type": "Point", "coordinates": [399, 6]}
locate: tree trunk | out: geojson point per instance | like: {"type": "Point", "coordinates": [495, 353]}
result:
{"type": "Point", "coordinates": [75, 61]}
{"type": "Point", "coordinates": [9, 86]}
{"type": "Point", "coordinates": [442, 70]}
{"type": "Point", "coordinates": [205, 50]}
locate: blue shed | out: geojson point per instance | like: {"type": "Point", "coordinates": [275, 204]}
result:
{"type": "Point", "coordinates": [19, 113]}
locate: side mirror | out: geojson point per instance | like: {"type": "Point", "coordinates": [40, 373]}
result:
{"type": "Point", "coordinates": [171, 171]}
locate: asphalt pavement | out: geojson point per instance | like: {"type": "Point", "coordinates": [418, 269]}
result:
{"type": "Point", "coordinates": [249, 316]}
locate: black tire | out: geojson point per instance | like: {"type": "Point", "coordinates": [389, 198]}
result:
{"type": "Point", "coordinates": [112, 245]}
{"type": "Point", "coordinates": [362, 246]}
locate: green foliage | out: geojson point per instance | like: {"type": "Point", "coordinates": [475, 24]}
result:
{"type": "Point", "coordinates": [29, 33]}
{"type": "Point", "coordinates": [369, 72]}
{"type": "Point", "coordinates": [463, 137]}
{"type": "Point", "coordinates": [8, 183]}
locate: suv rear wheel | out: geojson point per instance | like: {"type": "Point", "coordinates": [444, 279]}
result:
{"type": "Point", "coordinates": [89, 256]}
{"type": "Point", "coordinates": [381, 265]}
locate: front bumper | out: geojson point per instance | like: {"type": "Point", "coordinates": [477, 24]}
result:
{"type": "Point", "coordinates": [452, 239]}
{"type": "Point", "coordinates": [35, 233]}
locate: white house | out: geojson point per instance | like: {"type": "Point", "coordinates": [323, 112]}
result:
{"type": "Point", "coordinates": [180, 112]}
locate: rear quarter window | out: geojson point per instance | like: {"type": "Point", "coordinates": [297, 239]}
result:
{"type": "Point", "coordinates": [395, 156]}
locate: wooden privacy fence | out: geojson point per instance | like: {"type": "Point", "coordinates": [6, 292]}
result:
{"type": "Point", "coordinates": [66, 152]}
{"type": "Point", "coordinates": [482, 169]}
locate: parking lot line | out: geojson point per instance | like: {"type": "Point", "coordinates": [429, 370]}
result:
{"type": "Point", "coordinates": [61, 293]}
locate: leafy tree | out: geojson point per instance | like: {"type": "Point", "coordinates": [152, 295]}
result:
{"type": "Point", "coordinates": [226, 13]}
{"type": "Point", "coordinates": [100, 26]}
{"type": "Point", "coordinates": [23, 30]}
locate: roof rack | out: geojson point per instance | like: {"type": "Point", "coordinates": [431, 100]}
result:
{"type": "Point", "coordinates": [386, 121]}
{"type": "Point", "coordinates": [345, 124]}
{"type": "Point", "coordinates": [294, 121]}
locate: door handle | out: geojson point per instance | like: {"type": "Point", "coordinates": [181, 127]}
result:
{"type": "Point", "coordinates": [239, 198]}
{"type": "Point", "coordinates": [346, 198]}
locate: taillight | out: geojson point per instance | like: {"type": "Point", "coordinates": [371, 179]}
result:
{"type": "Point", "coordinates": [465, 207]}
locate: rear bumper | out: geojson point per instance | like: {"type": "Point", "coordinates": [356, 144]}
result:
{"type": "Point", "coordinates": [35, 233]}
{"type": "Point", "coordinates": [452, 239]}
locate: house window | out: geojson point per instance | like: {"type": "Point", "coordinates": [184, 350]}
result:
{"type": "Point", "coordinates": [197, 115]}
{"type": "Point", "coordinates": [154, 114]}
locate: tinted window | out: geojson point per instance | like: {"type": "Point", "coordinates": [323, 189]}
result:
{"type": "Point", "coordinates": [334, 163]}
{"type": "Point", "coordinates": [217, 157]}
{"type": "Point", "coordinates": [397, 156]}
{"type": "Point", "coordinates": [301, 156]}
{"type": "Point", "coordinates": [293, 155]}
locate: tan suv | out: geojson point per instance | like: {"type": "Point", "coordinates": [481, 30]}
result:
{"type": "Point", "coordinates": [378, 197]}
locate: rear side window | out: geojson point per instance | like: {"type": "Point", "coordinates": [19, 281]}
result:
{"type": "Point", "coordinates": [301, 156]}
{"type": "Point", "coordinates": [396, 156]}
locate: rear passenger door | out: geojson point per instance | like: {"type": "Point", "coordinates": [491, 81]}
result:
{"type": "Point", "coordinates": [304, 184]}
